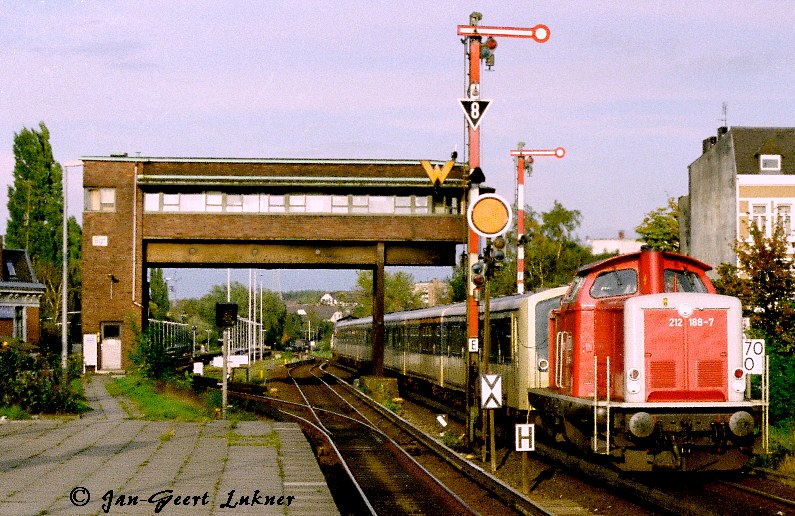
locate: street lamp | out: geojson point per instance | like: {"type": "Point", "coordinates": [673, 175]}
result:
{"type": "Point", "coordinates": [65, 259]}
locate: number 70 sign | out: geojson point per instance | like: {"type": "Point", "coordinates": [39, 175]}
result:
{"type": "Point", "coordinates": [754, 356]}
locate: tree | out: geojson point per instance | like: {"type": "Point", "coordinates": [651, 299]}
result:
{"type": "Point", "coordinates": [398, 293]}
{"type": "Point", "coordinates": [35, 208]}
{"type": "Point", "coordinates": [35, 200]}
{"type": "Point", "coordinates": [764, 281]}
{"type": "Point", "coordinates": [159, 304]}
{"type": "Point", "coordinates": [660, 227]}
{"type": "Point", "coordinates": [552, 252]}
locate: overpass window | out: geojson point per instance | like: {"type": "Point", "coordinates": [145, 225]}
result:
{"type": "Point", "coordinates": [100, 199]}
{"type": "Point", "coordinates": [276, 204]}
{"type": "Point", "coordinates": [170, 202]}
{"type": "Point", "coordinates": [297, 203]}
{"type": "Point", "coordinates": [359, 204]}
{"type": "Point", "coordinates": [381, 204]}
{"type": "Point", "coordinates": [420, 205]}
{"type": "Point", "coordinates": [403, 205]}
{"type": "Point", "coordinates": [215, 201]}
{"type": "Point", "coordinates": [251, 203]}
{"type": "Point", "coordinates": [152, 202]}
{"type": "Point", "coordinates": [193, 202]}
{"type": "Point", "coordinates": [318, 203]}
{"type": "Point", "coordinates": [339, 204]}
{"type": "Point", "coordinates": [234, 203]}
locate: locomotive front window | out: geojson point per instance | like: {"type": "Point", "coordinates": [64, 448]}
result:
{"type": "Point", "coordinates": [574, 290]}
{"type": "Point", "coordinates": [615, 283]}
{"type": "Point", "coordinates": [683, 281]}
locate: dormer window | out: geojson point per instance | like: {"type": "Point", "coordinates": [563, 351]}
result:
{"type": "Point", "coordinates": [770, 163]}
{"type": "Point", "coordinates": [12, 272]}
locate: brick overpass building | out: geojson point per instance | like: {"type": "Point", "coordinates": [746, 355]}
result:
{"type": "Point", "coordinates": [143, 212]}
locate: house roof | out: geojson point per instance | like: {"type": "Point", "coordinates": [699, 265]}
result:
{"type": "Point", "coordinates": [751, 142]}
{"type": "Point", "coordinates": [18, 273]}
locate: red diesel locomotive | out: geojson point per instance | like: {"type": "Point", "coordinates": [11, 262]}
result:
{"type": "Point", "coordinates": [646, 367]}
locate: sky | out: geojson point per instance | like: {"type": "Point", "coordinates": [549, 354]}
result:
{"type": "Point", "coordinates": [629, 88]}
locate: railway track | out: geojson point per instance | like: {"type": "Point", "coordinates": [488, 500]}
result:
{"type": "Point", "coordinates": [390, 480]}
{"type": "Point", "coordinates": [342, 419]}
{"type": "Point", "coordinates": [697, 497]}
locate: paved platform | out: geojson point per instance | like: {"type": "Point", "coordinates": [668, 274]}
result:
{"type": "Point", "coordinates": [109, 463]}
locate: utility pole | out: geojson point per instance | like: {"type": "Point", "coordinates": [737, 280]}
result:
{"type": "Point", "coordinates": [521, 166]}
{"type": "Point", "coordinates": [474, 32]}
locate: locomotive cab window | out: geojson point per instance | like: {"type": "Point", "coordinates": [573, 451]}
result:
{"type": "Point", "coordinates": [574, 290]}
{"type": "Point", "coordinates": [683, 281]}
{"type": "Point", "coordinates": [615, 283]}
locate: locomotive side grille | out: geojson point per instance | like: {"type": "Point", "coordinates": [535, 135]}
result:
{"type": "Point", "coordinates": [663, 374]}
{"type": "Point", "coordinates": [710, 373]}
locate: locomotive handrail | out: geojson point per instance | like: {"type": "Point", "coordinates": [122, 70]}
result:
{"type": "Point", "coordinates": [559, 359]}
{"type": "Point", "coordinates": [595, 440]}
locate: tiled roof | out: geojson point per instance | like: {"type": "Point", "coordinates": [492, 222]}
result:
{"type": "Point", "coordinates": [17, 271]}
{"type": "Point", "coordinates": [751, 142]}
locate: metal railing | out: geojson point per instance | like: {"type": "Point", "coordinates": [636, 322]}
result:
{"type": "Point", "coordinates": [175, 337]}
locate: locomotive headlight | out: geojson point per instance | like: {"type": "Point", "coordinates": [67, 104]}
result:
{"type": "Point", "coordinates": [543, 365]}
{"type": "Point", "coordinates": [633, 381]}
{"type": "Point", "coordinates": [641, 424]}
{"type": "Point", "coordinates": [739, 380]}
{"type": "Point", "coordinates": [741, 423]}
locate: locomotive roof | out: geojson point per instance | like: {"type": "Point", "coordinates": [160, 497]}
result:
{"type": "Point", "coordinates": [633, 257]}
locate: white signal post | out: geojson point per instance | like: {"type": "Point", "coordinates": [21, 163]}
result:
{"type": "Point", "coordinates": [521, 154]}
{"type": "Point", "coordinates": [473, 34]}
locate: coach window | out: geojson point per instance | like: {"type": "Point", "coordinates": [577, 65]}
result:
{"type": "Point", "coordinates": [615, 283]}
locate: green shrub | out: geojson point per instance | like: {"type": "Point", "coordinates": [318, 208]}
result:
{"type": "Point", "coordinates": [149, 356]}
{"type": "Point", "coordinates": [37, 383]}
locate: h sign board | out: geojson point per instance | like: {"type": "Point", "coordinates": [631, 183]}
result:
{"type": "Point", "coordinates": [491, 391]}
{"type": "Point", "coordinates": [526, 437]}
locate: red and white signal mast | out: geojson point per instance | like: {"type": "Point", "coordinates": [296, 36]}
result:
{"type": "Point", "coordinates": [521, 166]}
{"type": "Point", "coordinates": [474, 107]}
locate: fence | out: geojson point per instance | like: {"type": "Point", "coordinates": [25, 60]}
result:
{"type": "Point", "coordinates": [245, 337]}
{"type": "Point", "coordinates": [177, 338]}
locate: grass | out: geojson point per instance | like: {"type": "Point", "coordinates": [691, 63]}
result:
{"type": "Point", "coordinates": [14, 412]}
{"type": "Point", "coordinates": [782, 449]}
{"type": "Point", "coordinates": [161, 401]}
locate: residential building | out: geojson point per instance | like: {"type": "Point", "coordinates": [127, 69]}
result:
{"type": "Point", "coordinates": [433, 292]}
{"type": "Point", "coordinates": [744, 175]}
{"type": "Point", "coordinates": [620, 245]}
{"type": "Point", "coordinates": [20, 294]}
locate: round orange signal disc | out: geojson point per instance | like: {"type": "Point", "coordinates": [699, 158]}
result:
{"type": "Point", "coordinates": [489, 216]}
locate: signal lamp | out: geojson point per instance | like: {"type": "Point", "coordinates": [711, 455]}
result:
{"type": "Point", "coordinates": [491, 43]}
{"type": "Point", "coordinates": [499, 255]}
{"type": "Point", "coordinates": [499, 242]}
{"type": "Point", "coordinates": [478, 277]}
